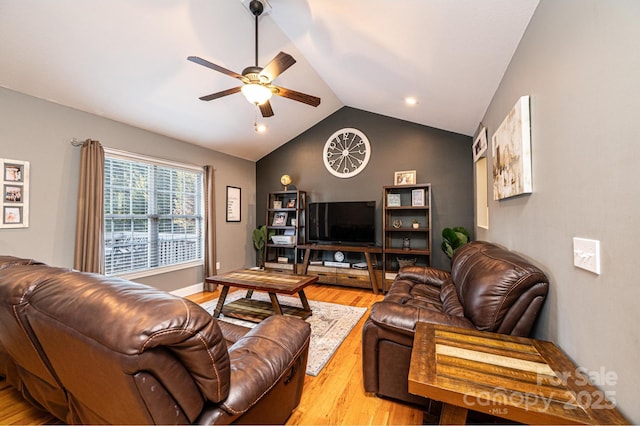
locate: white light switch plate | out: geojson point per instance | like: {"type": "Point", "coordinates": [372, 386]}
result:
{"type": "Point", "coordinates": [586, 254]}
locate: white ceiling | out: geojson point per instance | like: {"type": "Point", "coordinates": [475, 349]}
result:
{"type": "Point", "coordinates": [126, 60]}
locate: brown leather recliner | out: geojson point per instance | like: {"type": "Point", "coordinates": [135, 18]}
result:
{"type": "Point", "coordinates": [489, 288]}
{"type": "Point", "coordinates": [97, 350]}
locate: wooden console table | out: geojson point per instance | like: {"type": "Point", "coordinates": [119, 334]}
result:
{"type": "Point", "coordinates": [516, 378]}
{"type": "Point", "coordinates": [366, 250]}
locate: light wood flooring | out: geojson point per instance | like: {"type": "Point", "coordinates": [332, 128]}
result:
{"type": "Point", "coordinates": [335, 396]}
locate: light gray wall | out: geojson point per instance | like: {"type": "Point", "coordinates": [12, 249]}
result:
{"type": "Point", "coordinates": [39, 131]}
{"type": "Point", "coordinates": [579, 61]}
{"type": "Point", "coordinates": [439, 157]}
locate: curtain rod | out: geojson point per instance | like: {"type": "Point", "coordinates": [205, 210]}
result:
{"type": "Point", "coordinates": [129, 155]}
{"type": "Point", "coordinates": [77, 142]}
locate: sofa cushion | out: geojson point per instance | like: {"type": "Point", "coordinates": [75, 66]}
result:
{"type": "Point", "coordinates": [489, 280]}
{"type": "Point", "coordinates": [250, 367]}
{"type": "Point", "coordinates": [408, 292]}
{"type": "Point", "coordinates": [130, 318]}
{"type": "Point", "coordinates": [449, 298]}
{"type": "Point", "coordinates": [232, 332]}
{"type": "Point", "coordinates": [6, 261]}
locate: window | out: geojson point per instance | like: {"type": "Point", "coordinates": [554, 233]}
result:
{"type": "Point", "coordinates": [153, 214]}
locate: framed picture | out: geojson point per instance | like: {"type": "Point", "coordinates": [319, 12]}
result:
{"type": "Point", "coordinates": [291, 204]}
{"type": "Point", "coordinates": [13, 173]}
{"type": "Point", "coordinates": [407, 177]}
{"type": "Point", "coordinates": [393, 200]}
{"type": "Point", "coordinates": [12, 215]}
{"type": "Point", "coordinates": [14, 204]}
{"type": "Point", "coordinates": [277, 204]}
{"type": "Point", "coordinates": [417, 197]}
{"type": "Point", "coordinates": [12, 194]}
{"type": "Point", "coordinates": [480, 143]}
{"type": "Point", "coordinates": [280, 219]}
{"type": "Point", "coordinates": [233, 204]}
{"type": "Point", "coordinates": [511, 152]}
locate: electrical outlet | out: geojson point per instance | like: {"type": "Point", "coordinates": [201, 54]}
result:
{"type": "Point", "coordinates": [586, 254]}
{"type": "Point", "coordinates": [217, 265]}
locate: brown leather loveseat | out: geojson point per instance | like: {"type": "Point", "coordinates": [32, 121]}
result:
{"type": "Point", "coordinates": [92, 349]}
{"type": "Point", "coordinates": [489, 288]}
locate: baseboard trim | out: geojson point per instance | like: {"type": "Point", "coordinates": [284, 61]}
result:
{"type": "Point", "coordinates": [189, 290]}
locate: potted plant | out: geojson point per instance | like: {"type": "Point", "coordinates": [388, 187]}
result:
{"type": "Point", "coordinates": [260, 239]}
{"type": "Point", "coordinates": [452, 238]}
{"type": "Point", "coordinates": [416, 224]}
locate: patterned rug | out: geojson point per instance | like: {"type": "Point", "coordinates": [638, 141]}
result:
{"type": "Point", "coordinates": [330, 325]}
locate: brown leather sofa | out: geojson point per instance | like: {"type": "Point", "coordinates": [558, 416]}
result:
{"type": "Point", "coordinates": [92, 349]}
{"type": "Point", "coordinates": [489, 288]}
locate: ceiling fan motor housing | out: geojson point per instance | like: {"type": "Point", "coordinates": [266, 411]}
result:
{"type": "Point", "coordinates": [253, 74]}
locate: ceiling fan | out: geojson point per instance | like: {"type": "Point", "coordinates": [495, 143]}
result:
{"type": "Point", "coordinates": [258, 87]}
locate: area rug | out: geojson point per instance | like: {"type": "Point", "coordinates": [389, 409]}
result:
{"type": "Point", "coordinates": [330, 325]}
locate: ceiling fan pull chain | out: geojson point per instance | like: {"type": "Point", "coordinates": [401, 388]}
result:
{"type": "Point", "coordinates": [255, 118]}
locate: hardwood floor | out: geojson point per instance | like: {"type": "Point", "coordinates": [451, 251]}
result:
{"type": "Point", "coordinates": [335, 396]}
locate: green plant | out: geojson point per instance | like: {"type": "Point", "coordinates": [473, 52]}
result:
{"type": "Point", "coordinates": [260, 238]}
{"type": "Point", "coordinates": [452, 238]}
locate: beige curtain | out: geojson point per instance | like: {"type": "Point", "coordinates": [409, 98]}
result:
{"type": "Point", "coordinates": [209, 228]}
{"type": "Point", "coordinates": [89, 251]}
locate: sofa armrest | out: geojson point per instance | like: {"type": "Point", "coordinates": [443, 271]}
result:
{"type": "Point", "coordinates": [262, 357]}
{"type": "Point", "coordinates": [423, 275]}
{"type": "Point", "coordinates": [403, 318]}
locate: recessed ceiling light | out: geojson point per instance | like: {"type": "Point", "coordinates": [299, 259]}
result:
{"type": "Point", "coordinates": [260, 127]}
{"type": "Point", "coordinates": [411, 100]}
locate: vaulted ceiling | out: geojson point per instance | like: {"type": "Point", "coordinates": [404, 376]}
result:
{"type": "Point", "coordinates": [126, 60]}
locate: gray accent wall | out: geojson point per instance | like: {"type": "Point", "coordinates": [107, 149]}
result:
{"type": "Point", "coordinates": [579, 61]}
{"type": "Point", "coordinates": [439, 157]}
{"type": "Point", "coordinates": [39, 131]}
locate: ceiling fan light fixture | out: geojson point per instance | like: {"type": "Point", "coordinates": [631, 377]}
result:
{"type": "Point", "coordinates": [256, 93]}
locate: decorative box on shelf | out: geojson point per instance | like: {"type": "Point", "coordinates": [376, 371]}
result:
{"type": "Point", "coordinates": [283, 239]}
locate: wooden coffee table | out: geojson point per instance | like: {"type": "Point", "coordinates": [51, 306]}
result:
{"type": "Point", "coordinates": [273, 283]}
{"type": "Point", "coordinates": [520, 379]}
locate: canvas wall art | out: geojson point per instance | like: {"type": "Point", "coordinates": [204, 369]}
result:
{"type": "Point", "coordinates": [511, 148]}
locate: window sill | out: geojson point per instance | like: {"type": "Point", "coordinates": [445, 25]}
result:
{"type": "Point", "coordinates": [158, 271]}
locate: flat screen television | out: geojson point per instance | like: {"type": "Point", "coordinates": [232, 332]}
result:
{"type": "Point", "coordinates": [342, 222]}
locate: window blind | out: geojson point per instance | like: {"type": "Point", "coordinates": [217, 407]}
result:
{"type": "Point", "coordinates": [153, 214]}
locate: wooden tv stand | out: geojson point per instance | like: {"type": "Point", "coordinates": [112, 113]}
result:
{"type": "Point", "coordinates": [366, 250]}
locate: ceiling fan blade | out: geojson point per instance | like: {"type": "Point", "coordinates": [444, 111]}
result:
{"type": "Point", "coordinates": [215, 67]}
{"type": "Point", "coordinates": [297, 96]}
{"type": "Point", "coordinates": [277, 66]}
{"type": "Point", "coordinates": [220, 94]}
{"type": "Point", "coordinates": [266, 110]}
